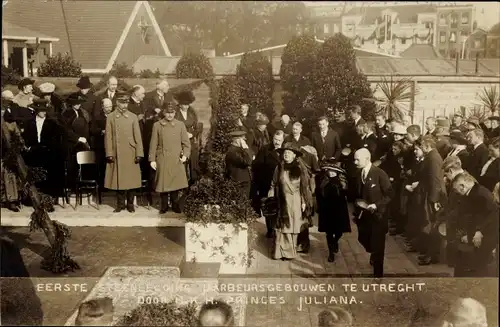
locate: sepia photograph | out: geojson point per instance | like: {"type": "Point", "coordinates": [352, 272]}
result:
{"type": "Point", "coordinates": [250, 163]}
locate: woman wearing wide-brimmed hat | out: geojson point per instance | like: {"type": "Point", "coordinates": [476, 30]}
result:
{"type": "Point", "coordinates": [25, 96]}
{"type": "Point", "coordinates": [333, 215]}
{"type": "Point", "coordinates": [292, 188]}
{"type": "Point", "coordinates": [188, 115]}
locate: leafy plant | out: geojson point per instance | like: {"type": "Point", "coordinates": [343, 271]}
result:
{"type": "Point", "coordinates": [337, 82]}
{"type": "Point", "coordinates": [395, 95]}
{"type": "Point", "coordinates": [60, 65]}
{"type": "Point", "coordinates": [490, 98]}
{"type": "Point", "coordinates": [10, 76]}
{"type": "Point", "coordinates": [194, 65]}
{"type": "Point", "coordinates": [255, 78]}
{"type": "Point", "coordinates": [121, 70]}
{"type": "Point", "coordinates": [161, 314]}
{"type": "Point", "coordinates": [296, 72]}
{"type": "Point", "coordinates": [148, 73]}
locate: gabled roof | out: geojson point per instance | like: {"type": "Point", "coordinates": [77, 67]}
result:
{"type": "Point", "coordinates": [422, 51]}
{"type": "Point", "coordinates": [14, 32]}
{"type": "Point", "coordinates": [406, 14]}
{"type": "Point", "coordinates": [495, 30]}
{"type": "Point", "coordinates": [92, 31]}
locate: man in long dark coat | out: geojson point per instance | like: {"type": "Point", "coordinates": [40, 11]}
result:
{"type": "Point", "coordinates": [97, 131]}
{"type": "Point", "coordinates": [374, 189]}
{"type": "Point", "coordinates": [85, 92]}
{"type": "Point", "coordinates": [266, 161]}
{"type": "Point", "coordinates": [479, 155]}
{"type": "Point", "coordinates": [124, 152]}
{"type": "Point", "coordinates": [239, 162]}
{"type": "Point", "coordinates": [478, 228]}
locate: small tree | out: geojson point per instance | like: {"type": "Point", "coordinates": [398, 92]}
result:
{"type": "Point", "coordinates": [256, 82]}
{"type": "Point", "coordinates": [194, 65]}
{"type": "Point", "coordinates": [490, 99]}
{"type": "Point", "coordinates": [296, 72]}
{"type": "Point", "coordinates": [225, 113]}
{"type": "Point", "coordinates": [395, 97]}
{"type": "Point", "coordinates": [60, 65]}
{"type": "Point", "coordinates": [121, 70]}
{"type": "Point", "coordinates": [337, 82]}
{"type": "Point", "coordinates": [10, 76]}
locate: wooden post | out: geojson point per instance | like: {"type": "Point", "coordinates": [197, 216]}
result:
{"type": "Point", "coordinates": [25, 60]}
{"type": "Point", "coordinates": [5, 52]}
{"type": "Point", "coordinates": [477, 64]}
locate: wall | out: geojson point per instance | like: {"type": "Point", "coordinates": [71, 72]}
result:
{"type": "Point", "coordinates": [437, 96]}
{"type": "Point", "coordinates": [442, 96]}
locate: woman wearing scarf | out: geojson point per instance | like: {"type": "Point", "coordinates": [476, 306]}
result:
{"type": "Point", "coordinates": [187, 114]}
{"type": "Point", "coordinates": [292, 187]}
{"type": "Point", "coordinates": [333, 215]}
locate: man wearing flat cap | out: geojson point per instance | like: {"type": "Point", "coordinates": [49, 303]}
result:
{"type": "Point", "coordinates": [124, 152]}
{"type": "Point", "coordinates": [43, 137]}
{"type": "Point", "coordinates": [239, 162]}
{"type": "Point", "coordinates": [25, 96]}
{"type": "Point", "coordinates": [169, 150]}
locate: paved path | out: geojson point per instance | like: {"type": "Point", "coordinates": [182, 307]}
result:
{"type": "Point", "coordinates": [97, 248]}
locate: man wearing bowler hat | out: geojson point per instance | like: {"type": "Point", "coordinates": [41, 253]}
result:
{"type": "Point", "coordinates": [43, 139]}
{"type": "Point", "coordinates": [25, 96]}
{"type": "Point", "coordinates": [239, 162]}
{"type": "Point", "coordinates": [85, 92]}
{"type": "Point", "coordinates": [124, 152]}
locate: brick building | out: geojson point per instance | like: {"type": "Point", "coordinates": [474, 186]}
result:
{"type": "Point", "coordinates": [454, 26]}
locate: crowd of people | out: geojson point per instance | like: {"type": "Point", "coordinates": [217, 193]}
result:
{"type": "Point", "coordinates": [431, 187]}
{"type": "Point", "coordinates": [131, 134]}
{"type": "Point", "coordinates": [428, 186]}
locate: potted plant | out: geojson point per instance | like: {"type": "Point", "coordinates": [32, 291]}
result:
{"type": "Point", "coordinates": [218, 220]}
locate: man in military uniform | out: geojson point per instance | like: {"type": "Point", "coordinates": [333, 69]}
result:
{"type": "Point", "coordinates": [124, 152]}
{"type": "Point", "coordinates": [238, 162]}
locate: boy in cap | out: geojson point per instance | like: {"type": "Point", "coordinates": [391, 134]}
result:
{"type": "Point", "coordinates": [124, 152]}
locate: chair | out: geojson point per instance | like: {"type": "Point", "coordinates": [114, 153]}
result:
{"type": "Point", "coordinates": [88, 175]}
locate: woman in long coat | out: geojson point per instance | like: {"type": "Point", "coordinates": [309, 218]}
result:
{"type": "Point", "coordinates": [333, 215]}
{"type": "Point", "coordinates": [187, 114]}
{"type": "Point", "coordinates": [169, 150]}
{"type": "Point", "coordinates": [292, 188]}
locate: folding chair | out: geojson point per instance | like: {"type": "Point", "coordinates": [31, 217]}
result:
{"type": "Point", "coordinates": [88, 176]}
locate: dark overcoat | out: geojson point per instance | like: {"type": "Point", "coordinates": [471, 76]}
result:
{"type": "Point", "coordinates": [477, 158]}
{"type": "Point", "coordinates": [123, 142]}
{"type": "Point", "coordinates": [333, 215]}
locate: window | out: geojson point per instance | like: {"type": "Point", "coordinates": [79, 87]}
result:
{"type": "Point", "coordinates": [465, 18]}
{"type": "Point", "coordinates": [442, 37]}
{"type": "Point", "coordinates": [453, 37]}
{"type": "Point", "coordinates": [463, 36]}
{"type": "Point", "coordinates": [442, 19]}
{"type": "Point", "coordinates": [326, 28]}
{"type": "Point", "coordinates": [454, 20]}
{"type": "Point", "coordinates": [403, 41]}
